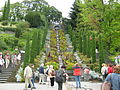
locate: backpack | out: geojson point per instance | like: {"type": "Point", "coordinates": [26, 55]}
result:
{"type": "Point", "coordinates": [47, 71]}
{"type": "Point", "coordinates": [59, 76]}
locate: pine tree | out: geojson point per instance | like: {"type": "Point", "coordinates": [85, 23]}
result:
{"type": "Point", "coordinates": [34, 47]}
{"type": "Point", "coordinates": [8, 10]}
{"type": "Point", "coordinates": [4, 12]}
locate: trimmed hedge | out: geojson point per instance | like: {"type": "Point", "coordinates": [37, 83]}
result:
{"type": "Point", "coordinates": [7, 29]}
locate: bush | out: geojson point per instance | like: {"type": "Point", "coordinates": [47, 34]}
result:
{"type": "Point", "coordinates": [7, 29]}
{"type": "Point", "coordinates": [5, 23]}
{"type": "Point", "coordinates": [55, 64]}
{"type": "Point", "coordinates": [3, 45]}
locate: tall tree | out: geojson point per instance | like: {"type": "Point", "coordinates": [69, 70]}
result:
{"type": "Point", "coordinates": [27, 53]}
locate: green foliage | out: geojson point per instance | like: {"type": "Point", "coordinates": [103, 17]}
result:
{"type": "Point", "coordinates": [34, 47]}
{"type": "Point", "coordinates": [55, 64]}
{"type": "Point", "coordinates": [3, 45]}
{"type": "Point", "coordinates": [21, 27]}
{"type": "Point", "coordinates": [27, 53]}
{"type": "Point", "coordinates": [7, 29]}
{"type": "Point", "coordinates": [5, 23]}
{"type": "Point", "coordinates": [35, 19]}
{"type": "Point", "coordinates": [6, 10]}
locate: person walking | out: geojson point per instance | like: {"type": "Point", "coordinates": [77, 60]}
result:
{"type": "Point", "coordinates": [51, 74]}
{"type": "Point", "coordinates": [114, 78]}
{"type": "Point", "coordinates": [33, 77]}
{"type": "Point", "coordinates": [41, 74]}
{"type": "Point", "coordinates": [77, 74]}
{"type": "Point", "coordinates": [28, 76]}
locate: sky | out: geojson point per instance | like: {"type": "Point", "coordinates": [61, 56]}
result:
{"type": "Point", "coordinates": [62, 5]}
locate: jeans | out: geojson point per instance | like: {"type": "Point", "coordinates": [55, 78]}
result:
{"type": "Point", "coordinates": [60, 86]}
{"type": "Point", "coordinates": [52, 81]}
{"type": "Point", "coordinates": [77, 79]}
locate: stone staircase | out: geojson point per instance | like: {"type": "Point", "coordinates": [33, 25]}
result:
{"type": "Point", "coordinates": [6, 73]}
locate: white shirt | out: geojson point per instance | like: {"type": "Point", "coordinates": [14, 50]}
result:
{"type": "Point", "coordinates": [28, 72]}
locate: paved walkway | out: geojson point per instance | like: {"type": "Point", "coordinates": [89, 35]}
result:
{"type": "Point", "coordinates": [20, 86]}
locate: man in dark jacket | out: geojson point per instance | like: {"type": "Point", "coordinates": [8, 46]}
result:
{"type": "Point", "coordinates": [41, 74]}
{"type": "Point", "coordinates": [61, 77]}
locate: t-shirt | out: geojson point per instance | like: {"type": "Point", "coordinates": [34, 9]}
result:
{"type": "Point", "coordinates": [114, 79]}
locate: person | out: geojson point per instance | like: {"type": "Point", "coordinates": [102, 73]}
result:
{"type": "Point", "coordinates": [61, 77]}
{"type": "Point", "coordinates": [51, 75]}
{"type": "Point", "coordinates": [104, 70]}
{"type": "Point", "coordinates": [28, 76]}
{"type": "Point", "coordinates": [19, 58]}
{"type": "Point", "coordinates": [114, 78]}
{"type": "Point", "coordinates": [46, 74]}
{"type": "Point", "coordinates": [86, 73]}
{"type": "Point", "coordinates": [110, 68]}
{"type": "Point", "coordinates": [1, 63]}
{"type": "Point", "coordinates": [41, 74]}
{"type": "Point", "coordinates": [33, 77]}
{"type": "Point", "coordinates": [77, 74]}
{"type": "Point", "coordinates": [7, 60]}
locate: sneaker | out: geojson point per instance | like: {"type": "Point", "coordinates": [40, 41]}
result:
{"type": "Point", "coordinates": [33, 87]}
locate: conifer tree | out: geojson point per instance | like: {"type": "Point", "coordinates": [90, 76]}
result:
{"type": "Point", "coordinates": [27, 52]}
{"type": "Point", "coordinates": [4, 12]}
{"type": "Point", "coordinates": [34, 47]}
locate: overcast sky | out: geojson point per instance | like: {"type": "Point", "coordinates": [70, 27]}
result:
{"type": "Point", "coordinates": [61, 5]}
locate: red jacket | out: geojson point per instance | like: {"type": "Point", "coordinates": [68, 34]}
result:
{"type": "Point", "coordinates": [77, 71]}
{"type": "Point", "coordinates": [110, 70]}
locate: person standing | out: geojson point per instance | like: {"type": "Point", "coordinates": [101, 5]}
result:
{"type": "Point", "coordinates": [19, 58]}
{"type": "Point", "coordinates": [114, 78]}
{"type": "Point", "coordinates": [1, 62]}
{"type": "Point", "coordinates": [51, 74]}
{"type": "Point", "coordinates": [86, 73]}
{"type": "Point", "coordinates": [61, 77]}
{"type": "Point", "coordinates": [7, 60]}
{"type": "Point", "coordinates": [104, 70]}
{"type": "Point", "coordinates": [28, 76]}
{"type": "Point", "coordinates": [46, 74]}
{"type": "Point", "coordinates": [41, 74]}
{"type": "Point", "coordinates": [77, 74]}
{"type": "Point", "coordinates": [110, 69]}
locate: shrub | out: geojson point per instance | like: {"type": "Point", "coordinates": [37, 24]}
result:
{"type": "Point", "coordinates": [55, 64]}
{"type": "Point", "coordinates": [5, 23]}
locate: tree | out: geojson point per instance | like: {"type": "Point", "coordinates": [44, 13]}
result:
{"type": "Point", "coordinates": [6, 10]}
{"type": "Point", "coordinates": [34, 48]}
{"type": "Point", "coordinates": [35, 20]}
{"type": "Point", "coordinates": [27, 53]}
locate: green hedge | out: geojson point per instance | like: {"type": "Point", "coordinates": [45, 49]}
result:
{"type": "Point", "coordinates": [7, 29]}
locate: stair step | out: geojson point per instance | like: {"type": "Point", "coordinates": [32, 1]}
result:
{"type": "Point", "coordinates": [6, 72]}
{"type": "Point", "coordinates": [3, 81]}
{"type": "Point", "coordinates": [4, 77]}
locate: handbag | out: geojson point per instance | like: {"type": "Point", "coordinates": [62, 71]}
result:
{"type": "Point", "coordinates": [106, 85]}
